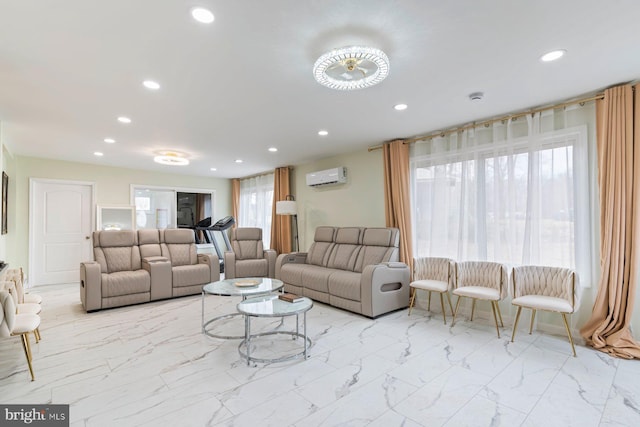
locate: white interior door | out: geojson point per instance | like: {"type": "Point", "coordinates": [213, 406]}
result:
{"type": "Point", "coordinates": [60, 231]}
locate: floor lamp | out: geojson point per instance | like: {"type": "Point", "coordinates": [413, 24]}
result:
{"type": "Point", "coordinates": [288, 206]}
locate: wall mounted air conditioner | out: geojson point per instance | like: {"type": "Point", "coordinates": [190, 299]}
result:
{"type": "Point", "coordinates": [327, 177]}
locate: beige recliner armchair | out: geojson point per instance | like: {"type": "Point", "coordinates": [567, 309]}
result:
{"type": "Point", "coordinates": [249, 258]}
{"type": "Point", "coordinates": [189, 269]}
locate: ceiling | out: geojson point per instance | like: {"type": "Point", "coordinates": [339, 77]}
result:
{"type": "Point", "coordinates": [234, 88]}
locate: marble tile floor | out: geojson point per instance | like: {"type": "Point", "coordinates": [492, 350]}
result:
{"type": "Point", "coordinates": [149, 365]}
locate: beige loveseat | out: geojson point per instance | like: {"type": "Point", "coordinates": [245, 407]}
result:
{"type": "Point", "coordinates": [353, 268]}
{"type": "Point", "coordinates": [133, 267]}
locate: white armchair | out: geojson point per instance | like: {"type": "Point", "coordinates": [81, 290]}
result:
{"type": "Point", "coordinates": [12, 324]}
{"type": "Point", "coordinates": [481, 280]}
{"type": "Point", "coordinates": [545, 288]}
{"type": "Point", "coordinates": [433, 275]}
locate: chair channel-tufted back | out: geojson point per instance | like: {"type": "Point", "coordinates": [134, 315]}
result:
{"type": "Point", "coordinates": [179, 246]}
{"type": "Point", "coordinates": [7, 314]}
{"type": "Point", "coordinates": [554, 282]}
{"type": "Point", "coordinates": [431, 268]}
{"type": "Point", "coordinates": [246, 243]}
{"type": "Point", "coordinates": [116, 250]}
{"type": "Point", "coordinates": [482, 273]}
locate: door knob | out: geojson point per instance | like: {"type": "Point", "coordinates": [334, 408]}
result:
{"type": "Point", "coordinates": [87, 237]}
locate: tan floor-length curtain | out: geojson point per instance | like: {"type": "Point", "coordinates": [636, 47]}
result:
{"type": "Point", "coordinates": [619, 183]}
{"type": "Point", "coordinates": [397, 202]}
{"type": "Point", "coordinates": [235, 199]}
{"type": "Point", "coordinates": [281, 224]}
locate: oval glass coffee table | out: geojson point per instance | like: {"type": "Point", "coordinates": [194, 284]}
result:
{"type": "Point", "coordinates": [272, 306]}
{"type": "Point", "coordinates": [243, 287]}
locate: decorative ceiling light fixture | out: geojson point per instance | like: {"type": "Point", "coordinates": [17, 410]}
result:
{"type": "Point", "coordinates": [352, 67]}
{"type": "Point", "coordinates": [171, 158]}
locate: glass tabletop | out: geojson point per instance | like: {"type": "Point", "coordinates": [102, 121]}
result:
{"type": "Point", "coordinates": [272, 306]}
{"type": "Point", "coordinates": [243, 286]}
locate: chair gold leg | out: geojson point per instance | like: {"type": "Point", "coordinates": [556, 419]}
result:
{"type": "Point", "coordinates": [533, 316]}
{"type": "Point", "coordinates": [455, 313]}
{"type": "Point", "coordinates": [566, 325]}
{"type": "Point", "coordinates": [515, 324]}
{"type": "Point", "coordinates": [473, 308]}
{"type": "Point", "coordinates": [495, 318]}
{"type": "Point", "coordinates": [444, 314]}
{"type": "Point", "coordinates": [499, 313]}
{"type": "Point", "coordinates": [413, 298]}
{"type": "Point", "coordinates": [429, 302]}
{"type": "Point", "coordinates": [27, 353]}
{"type": "Point", "coordinates": [450, 305]}
{"type": "Point", "coordinates": [37, 331]}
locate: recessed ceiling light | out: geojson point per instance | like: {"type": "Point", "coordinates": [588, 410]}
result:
{"type": "Point", "coordinates": [203, 15]}
{"type": "Point", "coordinates": [273, 149]}
{"type": "Point", "coordinates": [123, 119]}
{"type": "Point", "coordinates": [171, 158]}
{"type": "Point", "coordinates": [97, 153]}
{"type": "Point", "coordinates": [553, 55]}
{"type": "Point", "coordinates": [400, 107]}
{"type": "Point", "coordinates": [323, 133]}
{"type": "Point", "coordinates": [213, 169]}
{"type": "Point", "coordinates": [238, 160]}
{"type": "Point", "coordinates": [150, 84]}
{"type": "Point", "coordinates": [109, 140]}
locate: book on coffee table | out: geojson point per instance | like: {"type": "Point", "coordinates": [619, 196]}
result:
{"type": "Point", "coordinates": [290, 297]}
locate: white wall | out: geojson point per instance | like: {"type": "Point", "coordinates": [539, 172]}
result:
{"type": "Point", "coordinates": [358, 202]}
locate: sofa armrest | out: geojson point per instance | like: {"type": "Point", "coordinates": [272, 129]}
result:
{"type": "Point", "coordinates": [214, 265]}
{"type": "Point", "coordinates": [270, 255]}
{"type": "Point", "coordinates": [293, 257]}
{"type": "Point", "coordinates": [229, 265]}
{"type": "Point", "coordinates": [90, 285]}
{"type": "Point", "coordinates": [159, 269]}
{"type": "Point", "coordinates": [384, 288]}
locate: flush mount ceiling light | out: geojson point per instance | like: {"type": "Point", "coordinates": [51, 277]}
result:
{"type": "Point", "coordinates": [171, 158]}
{"type": "Point", "coordinates": [202, 15]}
{"type": "Point", "coordinates": [98, 154]}
{"type": "Point", "coordinates": [109, 140]}
{"type": "Point", "coordinates": [323, 133]}
{"type": "Point", "coordinates": [273, 149]}
{"type": "Point", "coordinates": [150, 84]}
{"type": "Point", "coordinates": [123, 119]}
{"type": "Point", "coordinates": [553, 55]}
{"type": "Point", "coordinates": [400, 107]}
{"type": "Point", "coordinates": [352, 67]}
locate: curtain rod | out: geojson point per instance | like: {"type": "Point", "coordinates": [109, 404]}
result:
{"type": "Point", "coordinates": [489, 122]}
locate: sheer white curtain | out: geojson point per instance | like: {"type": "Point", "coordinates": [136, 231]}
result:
{"type": "Point", "coordinates": [516, 192]}
{"type": "Point", "coordinates": [256, 201]}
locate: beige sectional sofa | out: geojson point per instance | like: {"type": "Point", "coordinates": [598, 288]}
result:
{"type": "Point", "coordinates": [353, 268]}
{"type": "Point", "coordinates": [133, 267]}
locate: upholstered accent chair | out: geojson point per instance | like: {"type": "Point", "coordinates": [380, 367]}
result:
{"type": "Point", "coordinates": [433, 275]}
{"type": "Point", "coordinates": [481, 280]}
{"type": "Point", "coordinates": [189, 269]}
{"type": "Point", "coordinates": [545, 288]}
{"type": "Point", "coordinates": [248, 257]}
{"type": "Point", "coordinates": [13, 324]}
{"type": "Point", "coordinates": [17, 276]}
{"type": "Point", "coordinates": [21, 307]}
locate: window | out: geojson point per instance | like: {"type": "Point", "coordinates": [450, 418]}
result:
{"type": "Point", "coordinates": [256, 203]}
{"type": "Point", "coordinates": [516, 193]}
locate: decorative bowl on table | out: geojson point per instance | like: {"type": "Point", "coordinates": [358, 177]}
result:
{"type": "Point", "coordinates": [246, 283]}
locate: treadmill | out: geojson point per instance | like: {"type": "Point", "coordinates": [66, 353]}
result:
{"type": "Point", "coordinates": [208, 231]}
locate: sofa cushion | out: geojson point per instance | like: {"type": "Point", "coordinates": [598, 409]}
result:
{"type": "Point", "coordinates": [119, 259]}
{"type": "Point", "coordinates": [316, 278]}
{"type": "Point", "coordinates": [381, 237]}
{"type": "Point", "coordinates": [345, 284]}
{"type": "Point", "coordinates": [247, 243]}
{"type": "Point", "coordinates": [292, 273]}
{"type": "Point", "coordinates": [125, 283]}
{"type": "Point", "coordinates": [189, 275]}
{"type": "Point", "coordinates": [114, 239]}
{"type": "Point", "coordinates": [252, 268]}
